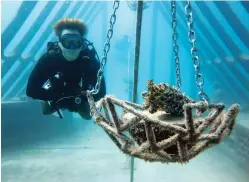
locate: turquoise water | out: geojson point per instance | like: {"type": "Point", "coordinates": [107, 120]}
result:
{"type": "Point", "coordinates": [45, 148]}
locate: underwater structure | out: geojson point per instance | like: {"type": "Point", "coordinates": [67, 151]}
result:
{"type": "Point", "coordinates": [162, 128]}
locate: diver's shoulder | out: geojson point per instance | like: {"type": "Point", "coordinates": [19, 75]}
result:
{"type": "Point", "coordinates": [46, 58]}
{"type": "Point", "coordinates": [43, 57]}
{"type": "Point", "coordinates": [51, 54]}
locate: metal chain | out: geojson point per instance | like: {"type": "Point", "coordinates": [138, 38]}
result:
{"type": "Point", "coordinates": [175, 46]}
{"type": "Point", "coordinates": [194, 53]}
{"type": "Point", "coordinates": [106, 48]}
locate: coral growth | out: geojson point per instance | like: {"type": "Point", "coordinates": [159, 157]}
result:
{"type": "Point", "coordinates": [165, 97]}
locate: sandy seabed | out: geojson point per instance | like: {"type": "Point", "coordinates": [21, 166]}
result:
{"type": "Point", "coordinates": [90, 156]}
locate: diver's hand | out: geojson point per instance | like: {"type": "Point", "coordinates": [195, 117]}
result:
{"type": "Point", "coordinates": [52, 104]}
{"type": "Point", "coordinates": [57, 98]}
{"type": "Point", "coordinates": [83, 93]}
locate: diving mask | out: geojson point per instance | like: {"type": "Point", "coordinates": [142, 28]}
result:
{"type": "Point", "coordinates": [71, 41]}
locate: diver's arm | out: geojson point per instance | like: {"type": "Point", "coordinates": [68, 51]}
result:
{"type": "Point", "coordinates": [38, 76]}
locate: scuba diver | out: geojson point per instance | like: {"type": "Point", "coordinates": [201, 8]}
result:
{"type": "Point", "coordinates": [66, 71]}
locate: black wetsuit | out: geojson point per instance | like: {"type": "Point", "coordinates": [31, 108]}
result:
{"type": "Point", "coordinates": [83, 69]}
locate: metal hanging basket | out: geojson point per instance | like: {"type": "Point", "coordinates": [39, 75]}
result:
{"type": "Point", "coordinates": [164, 129]}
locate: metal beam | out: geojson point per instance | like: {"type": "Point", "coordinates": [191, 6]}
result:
{"type": "Point", "coordinates": [217, 52]}
{"type": "Point", "coordinates": [153, 40]}
{"type": "Point", "coordinates": [22, 14]}
{"type": "Point", "coordinates": [216, 74]}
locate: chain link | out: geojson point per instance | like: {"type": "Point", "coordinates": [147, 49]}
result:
{"type": "Point", "coordinates": [106, 48]}
{"type": "Point", "coordinates": [175, 45]}
{"type": "Point", "coordinates": [194, 52]}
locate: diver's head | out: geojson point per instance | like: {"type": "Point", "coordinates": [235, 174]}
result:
{"type": "Point", "coordinates": [70, 32]}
